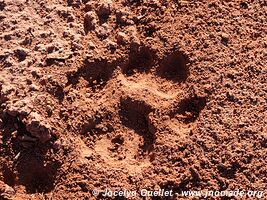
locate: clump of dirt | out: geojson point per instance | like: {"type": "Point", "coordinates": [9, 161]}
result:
{"type": "Point", "coordinates": [98, 95]}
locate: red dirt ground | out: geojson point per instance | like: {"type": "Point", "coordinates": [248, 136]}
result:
{"type": "Point", "coordinates": [131, 94]}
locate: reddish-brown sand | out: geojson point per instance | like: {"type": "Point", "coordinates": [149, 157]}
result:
{"type": "Point", "coordinates": [131, 94]}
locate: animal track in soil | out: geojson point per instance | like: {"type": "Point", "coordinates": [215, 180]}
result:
{"type": "Point", "coordinates": [144, 101]}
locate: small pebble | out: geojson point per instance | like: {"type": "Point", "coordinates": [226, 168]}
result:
{"type": "Point", "coordinates": [122, 38]}
{"type": "Point", "coordinates": [104, 9]}
{"type": "Point", "coordinates": [166, 117]}
{"type": "Point", "coordinates": [33, 87]}
{"type": "Point", "coordinates": [74, 3]}
{"type": "Point", "coordinates": [90, 20]}
{"type": "Point", "coordinates": [76, 45]}
{"type": "Point", "coordinates": [27, 138]}
{"type": "Point", "coordinates": [49, 110]}
{"type": "Point", "coordinates": [122, 17]}
{"type": "Point", "coordinates": [57, 144]}
{"type": "Point", "coordinates": [224, 38]}
{"type": "Point", "coordinates": [105, 129]}
{"type": "Point", "coordinates": [89, 6]}
{"type": "Point", "coordinates": [111, 45]}
{"type": "Point", "coordinates": [66, 34]}
{"type": "Point", "coordinates": [102, 31]}
{"type": "Point", "coordinates": [195, 173]}
{"type": "Point", "coordinates": [1, 123]}
{"type": "Point", "coordinates": [243, 5]}
{"type": "Point", "coordinates": [91, 45]}
{"type": "Point", "coordinates": [21, 53]}
{"type": "Point", "coordinates": [9, 191]}
{"type": "Point", "coordinates": [7, 37]}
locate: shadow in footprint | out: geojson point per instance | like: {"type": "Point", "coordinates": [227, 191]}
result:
{"type": "Point", "coordinates": [2, 5]}
{"type": "Point", "coordinates": [96, 73]}
{"type": "Point", "coordinates": [141, 59]}
{"type": "Point", "coordinates": [56, 90]}
{"type": "Point", "coordinates": [32, 168]}
{"type": "Point", "coordinates": [190, 108]}
{"type": "Point", "coordinates": [174, 67]}
{"type": "Point", "coordinates": [134, 115]}
{"type": "Point", "coordinates": [35, 174]}
{"type": "Point", "coordinates": [8, 175]}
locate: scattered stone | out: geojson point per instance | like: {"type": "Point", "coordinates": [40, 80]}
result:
{"type": "Point", "coordinates": [243, 5]}
{"type": "Point", "coordinates": [21, 107]}
{"type": "Point", "coordinates": [104, 9]}
{"type": "Point", "coordinates": [76, 44]}
{"type": "Point", "coordinates": [46, 34]}
{"type": "Point", "coordinates": [40, 48]}
{"type": "Point", "coordinates": [33, 87]}
{"type": "Point", "coordinates": [9, 191]}
{"type": "Point", "coordinates": [57, 144]}
{"type": "Point", "coordinates": [111, 45]}
{"type": "Point", "coordinates": [86, 1]}
{"type": "Point", "coordinates": [195, 173]}
{"type": "Point", "coordinates": [135, 43]}
{"type": "Point", "coordinates": [26, 41]}
{"type": "Point", "coordinates": [224, 38]}
{"type": "Point", "coordinates": [27, 145]}
{"type": "Point", "coordinates": [134, 39]}
{"type": "Point", "coordinates": [122, 17]}
{"type": "Point", "coordinates": [121, 157]}
{"type": "Point", "coordinates": [89, 6]}
{"type": "Point", "coordinates": [90, 20]}
{"type": "Point", "coordinates": [67, 34]}
{"type": "Point", "coordinates": [73, 25]}
{"type": "Point", "coordinates": [102, 31]}
{"type": "Point", "coordinates": [1, 123]}
{"type": "Point", "coordinates": [49, 110]}
{"type": "Point", "coordinates": [21, 53]}
{"type": "Point", "coordinates": [122, 38]}
{"type": "Point", "coordinates": [91, 45]}
{"type": "Point", "coordinates": [51, 48]}
{"type": "Point", "coordinates": [38, 127]}
{"type": "Point", "coordinates": [2, 5]}
{"type": "Point", "coordinates": [9, 61]}
{"type": "Point", "coordinates": [74, 3]}
{"type": "Point", "coordinates": [241, 124]}
{"type": "Point", "coordinates": [6, 192]}
{"type": "Point", "coordinates": [7, 37]}
{"type": "Point", "coordinates": [86, 152]}
{"type": "Point", "coordinates": [17, 156]}
{"type": "Point", "coordinates": [166, 117]}
{"type": "Point", "coordinates": [105, 129]}
{"type": "Point", "coordinates": [58, 56]}
{"type": "Point", "coordinates": [27, 138]}
{"type": "Point", "coordinates": [222, 167]}
{"type": "Point", "coordinates": [230, 96]}
{"type": "Point", "coordinates": [65, 13]}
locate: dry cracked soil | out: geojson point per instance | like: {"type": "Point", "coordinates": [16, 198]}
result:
{"type": "Point", "coordinates": [132, 94]}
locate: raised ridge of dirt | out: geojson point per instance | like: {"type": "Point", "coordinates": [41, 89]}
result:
{"type": "Point", "coordinates": [124, 94]}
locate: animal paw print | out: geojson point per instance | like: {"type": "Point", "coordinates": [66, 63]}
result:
{"type": "Point", "coordinates": [138, 102]}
